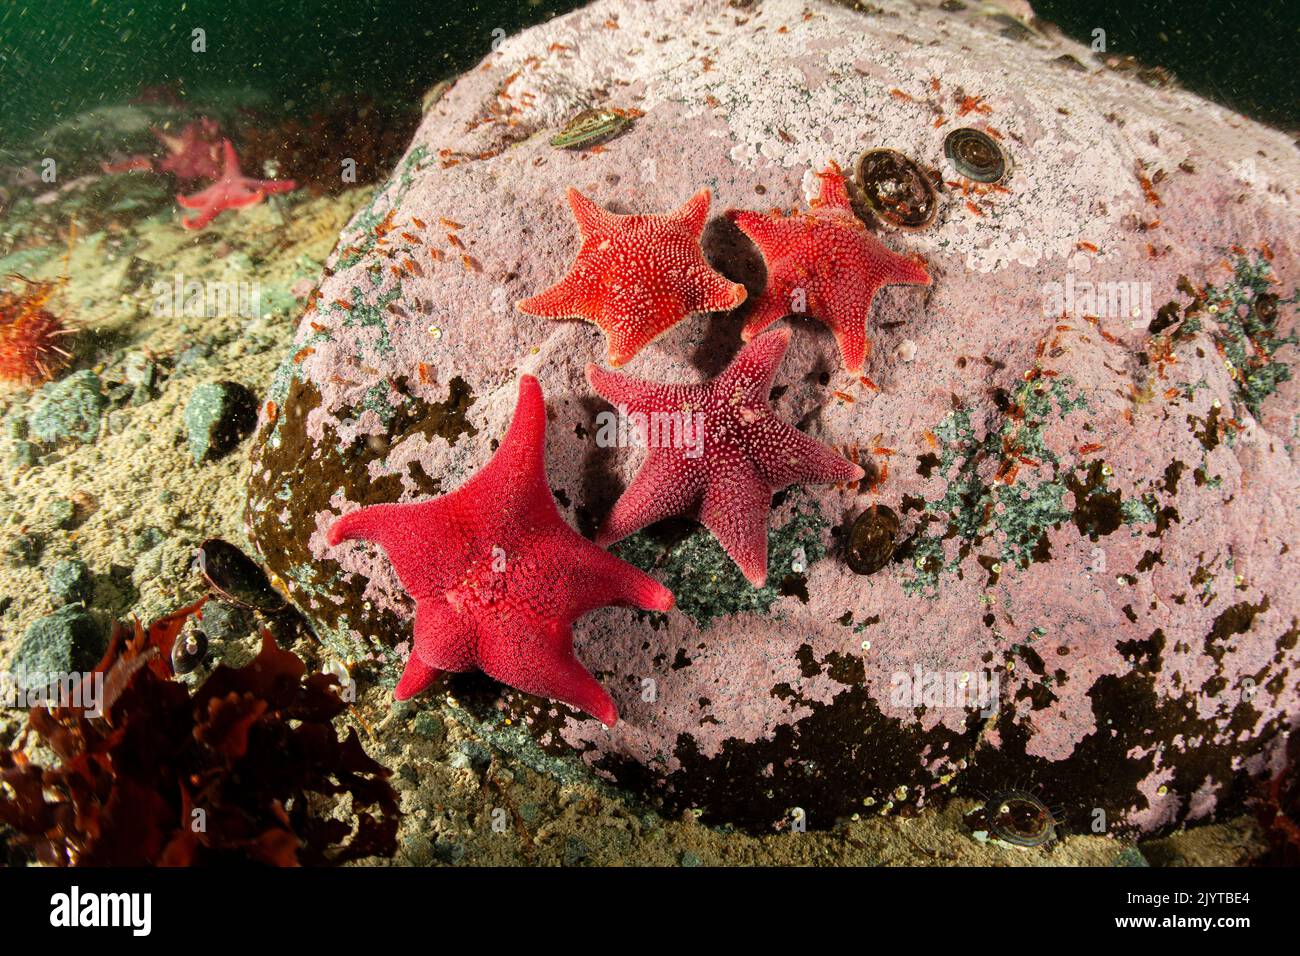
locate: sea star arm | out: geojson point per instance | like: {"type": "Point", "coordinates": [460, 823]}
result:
{"type": "Point", "coordinates": [854, 346]}
{"type": "Point", "coordinates": [710, 291]}
{"type": "Point", "coordinates": [638, 395]}
{"type": "Point", "coordinates": [570, 298]}
{"type": "Point", "coordinates": [736, 512]}
{"type": "Point", "coordinates": [575, 295]}
{"type": "Point", "coordinates": [834, 191]}
{"type": "Point", "coordinates": [802, 459]}
{"type": "Point", "coordinates": [659, 490]}
{"type": "Point", "coordinates": [770, 307]}
{"type": "Point", "coordinates": [625, 336]}
{"type": "Point", "coordinates": [608, 580]}
{"type": "Point", "coordinates": [540, 659]}
{"type": "Point", "coordinates": [400, 529]}
{"type": "Point", "coordinates": [517, 472]}
{"type": "Point", "coordinates": [591, 219]}
{"type": "Point", "coordinates": [766, 229]}
{"type": "Point", "coordinates": [543, 663]}
{"type": "Point", "coordinates": [904, 270]}
{"type": "Point", "coordinates": [198, 200]}
{"type": "Point", "coordinates": [205, 216]}
{"type": "Point", "coordinates": [748, 379]}
{"type": "Point", "coordinates": [694, 213]}
{"type": "Point", "coordinates": [417, 676]}
{"type": "Point", "coordinates": [848, 316]}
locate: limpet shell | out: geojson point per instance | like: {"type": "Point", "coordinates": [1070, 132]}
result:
{"type": "Point", "coordinates": [236, 577]}
{"type": "Point", "coordinates": [1019, 818]}
{"type": "Point", "coordinates": [593, 127]}
{"type": "Point", "coordinates": [872, 540]}
{"type": "Point", "coordinates": [188, 650]}
{"type": "Point", "coordinates": [976, 155]}
{"type": "Point", "coordinates": [896, 189]}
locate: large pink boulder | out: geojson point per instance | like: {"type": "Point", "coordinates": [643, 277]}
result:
{"type": "Point", "coordinates": [1094, 595]}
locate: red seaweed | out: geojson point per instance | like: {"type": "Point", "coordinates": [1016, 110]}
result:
{"type": "Point", "coordinates": [243, 769]}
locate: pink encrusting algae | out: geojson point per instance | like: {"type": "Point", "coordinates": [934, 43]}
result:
{"type": "Point", "coordinates": [1091, 518]}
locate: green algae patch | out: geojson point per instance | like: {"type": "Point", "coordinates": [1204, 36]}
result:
{"type": "Point", "coordinates": [707, 583]}
{"type": "Point", "coordinates": [1244, 314]}
{"type": "Point", "coordinates": [376, 400]}
{"type": "Point", "coordinates": [979, 501]}
{"type": "Point", "coordinates": [1010, 487]}
{"type": "Point", "coordinates": [1247, 309]}
{"type": "Point", "coordinates": [389, 197]}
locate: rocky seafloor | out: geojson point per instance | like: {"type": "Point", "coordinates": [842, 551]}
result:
{"type": "Point", "coordinates": [1122, 596]}
{"type": "Point", "coordinates": [1096, 493]}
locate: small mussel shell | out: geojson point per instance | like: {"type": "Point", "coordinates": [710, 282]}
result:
{"type": "Point", "coordinates": [1019, 818]}
{"type": "Point", "coordinates": [975, 155]}
{"type": "Point", "coordinates": [188, 650]}
{"type": "Point", "coordinates": [236, 577]}
{"type": "Point", "coordinates": [872, 539]}
{"type": "Point", "coordinates": [897, 190]}
{"type": "Point", "coordinates": [592, 127]}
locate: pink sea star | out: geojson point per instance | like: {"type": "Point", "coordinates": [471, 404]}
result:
{"type": "Point", "coordinates": [826, 263]}
{"type": "Point", "coordinates": [746, 455]}
{"type": "Point", "coordinates": [637, 276]}
{"type": "Point", "coordinates": [231, 191]}
{"type": "Point", "coordinates": [498, 577]}
{"type": "Point", "coordinates": [195, 153]}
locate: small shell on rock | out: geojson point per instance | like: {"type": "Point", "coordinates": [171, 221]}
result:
{"type": "Point", "coordinates": [895, 188]}
{"type": "Point", "coordinates": [1019, 818]}
{"type": "Point", "coordinates": [336, 668]}
{"type": "Point", "coordinates": [236, 577]}
{"type": "Point", "coordinates": [872, 540]}
{"type": "Point", "coordinates": [593, 127]}
{"type": "Point", "coordinates": [975, 155]}
{"type": "Point", "coordinates": [1070, 63]}
{"type": "Point", "coordinates": [435, 94]}
{"type": "Point", "coordinates": [188, 650]}
{"type": "Point", "coordinates": [905, 350]}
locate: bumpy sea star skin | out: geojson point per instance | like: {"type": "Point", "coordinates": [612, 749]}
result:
{"type": "Point", "coordinates": [637, 276]}
{"type": "Point", "coordinates": [747, 454]}
{"type": "Point", "coordinates": [824, 262]}
{"type": "Point", "coordinates": [232, 191]}
{"type": "Point", "coordinates": [498, 577]}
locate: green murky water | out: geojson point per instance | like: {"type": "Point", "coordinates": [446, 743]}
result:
{"type": "Point", "coordinates": [62, 57]}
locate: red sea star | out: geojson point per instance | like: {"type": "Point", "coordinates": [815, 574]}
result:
{"type": "Point", "coordinates": [824, 262]}
{"type": "Point", "coordinates": [725, 477]}
{"type": "Point", "coordinates": [637, 276]}
{"type": "Point", "coordinates": [498, 577]}
{"type": "Point", "coordinates": [231, 191]}
{"type": "Point", "coordinates": [195, 153]}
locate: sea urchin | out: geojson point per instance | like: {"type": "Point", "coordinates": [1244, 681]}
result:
{"type": "Point", "coordinates": [29, 335]}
